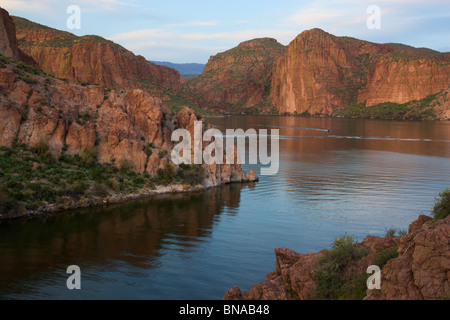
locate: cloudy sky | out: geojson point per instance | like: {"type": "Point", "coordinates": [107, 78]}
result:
{"type": "Point", "coordinates": [193, 30]}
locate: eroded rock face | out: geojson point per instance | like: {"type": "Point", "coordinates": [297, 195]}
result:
{"type": "Point", "coordinates": [216, 174]}
{"type": "Point", "coordinates": [421, 271]}
{"type": "Point", "coordinates": [8, 43]}
{"type": "Point", "coordinates": [320, 73]}
{"type": "Point", "coordinates": [237, 79]}
{"type": "Point", "coordinates": [90, 59]}
{"type": "Point", "coordinates": [131, 128]}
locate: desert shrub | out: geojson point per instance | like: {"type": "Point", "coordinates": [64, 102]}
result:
{"type": "Point", "coordinates": [166, 175]}
{"type": "Point", "coordinates": [384, 256]}
{"type": "Point", "coordinates": [28, 68]}
{"type": "Point", "coordinates": [79, 187]}
{"type": "Point", "coordinates": [89, 156]}
{"type": "Point", "coordinates": [191, 174]}
{"type": "Point", "coordinates": [125, 165]}
{"type": "Point", "coordinates": [393, 232]}
{"type": "Point", "coordinates": [139, 180]}
{"type": "Point", "coordinates": [113, 184]}
{"type": "Point", "coordinates": [162, 154]}
{"type": "Point", "coordinates": [355, 288]}
{"type": "Point", "coordinates": [330, 284]}
{"type": "Point", "coordinates": [100, 189]}
{"type": "Point", "coordinates": [344, 241]}
{"type": "Point", "coordinates": [441, 208]}
{"type": "Point", "coordinates": [148, 150]}
{"type": "Point", "coordinates": [328, 280]}
{"type": "Point", "coordinates": [42, 149]}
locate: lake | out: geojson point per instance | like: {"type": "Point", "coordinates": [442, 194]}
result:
{"type": "Point", "coordinates": [362, 177]}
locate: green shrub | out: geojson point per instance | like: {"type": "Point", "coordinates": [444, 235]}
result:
{"type": "Point", "coordinates": [344, 241]}
{"type": "Point", "coordinates": [191, 174]}
{"type": "Point", "coordinates": [89, 156]}
{"type": "Point", "coordinates": [162, 153]}
{"type": "Point", "coordinates": [384, 256]}
{"type": "Point", "coordinates": [100, 190]}
{"type": "Point", "coordinates": [125, 165]}
{"type": "Point", "coordinates": [148, 149]}
{"type": "Point", "coordinates": [329, 274]}
{"type": "Point", "coordinates": [139, 180]}
{"type": "Point", "coordinates": [328, 280]}
{"type": "Point", "coordinates": [441, 208]}
{"type": "Point", "coordinates": [79, 187]}
{"type": "Point", "coordinates": [113, 184]}
{"type": "Point", "coordinates": [393, 232]}
{"type": "Point", "coordinates": [42, 149]}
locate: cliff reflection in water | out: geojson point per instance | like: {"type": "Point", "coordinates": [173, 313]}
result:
{"type": "Point", "coordinates": [132, 233]}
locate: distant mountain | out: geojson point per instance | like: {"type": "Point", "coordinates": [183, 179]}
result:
{"type": "Point", "coordinates": [321, 74]}
{"type": "Point", "coordinates": [238, 78]}
{"type": "Point", "coordinates": [185, 69]}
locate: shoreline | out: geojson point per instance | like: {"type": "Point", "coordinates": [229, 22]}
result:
{"type": "Point", "coordinates": [412, 266]}
{"type": "Point", "coordinates": [114, 199]}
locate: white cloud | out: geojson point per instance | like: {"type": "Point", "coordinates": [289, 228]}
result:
{"type": "Point", "coordinates": [31, 6]}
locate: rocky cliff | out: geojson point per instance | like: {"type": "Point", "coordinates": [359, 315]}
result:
{"type": "Point", "coordinates": [123, 125]}
{"type": "Point", "coordinates": [320, 73]}
{"type": "Point", "coordinates": [415, 266]}
{"type": "Point", "coordinates": [8, 42]}
{"type": "Point", "coordinates": [237, 79]}
{"type": "Point", "coordinates": [45, 120]}
{"type": "Point", "coordinates": [90, 59]}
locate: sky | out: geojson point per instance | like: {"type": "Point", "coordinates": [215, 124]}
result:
{"type": "Point", "coordinates": [190, 31]}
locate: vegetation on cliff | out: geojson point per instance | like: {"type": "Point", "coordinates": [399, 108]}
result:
{"type": "Point", "coordinates": [91, 59]}
{"type": "Point", "coordinates": [413, 264]}
{"type": "Point", "coordinates": [32, 177]}
{"type": "Point", "coordinates": [236, 80]}
{"type": "Point", "coordinates": [441, 209]}
{"type": "Point", "coordinates": [415, 110]}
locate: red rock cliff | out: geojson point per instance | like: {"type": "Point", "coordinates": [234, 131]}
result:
{"type": "Point", "coordinates": [236, 79]}
{"type": "Point", "coordinates": [90, 59]}
{"type": "Point", "coordinates": [320, 73]}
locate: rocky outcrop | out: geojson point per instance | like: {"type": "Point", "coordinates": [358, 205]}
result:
{"type": "Point", "coordinates": [130, 129]}
{"type": "Point", "coordinates": [216, 174]}
{"type": "Point", "coordinates": [421, 270]}
{"type": "Point", "coordinates": [91, 59]}
{"type": "Point", "coordinates": [320, 73]}
{"type": "Point", "coordinates": [237, 79]}
{"type": "Point", "coordinates": [122, 126]}
{"type": "Point", "coordinates": [8, 42]}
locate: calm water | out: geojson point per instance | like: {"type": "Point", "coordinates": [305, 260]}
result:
{"type": "Point", "coordinates": [362, 178]}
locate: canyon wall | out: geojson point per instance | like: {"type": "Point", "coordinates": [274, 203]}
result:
{"type": "Point", "coordinates": [90, 59]}
{"type": "Point", "coordinates": [320, 73]}
{"type": "Point", "coordinates": [237, 79]}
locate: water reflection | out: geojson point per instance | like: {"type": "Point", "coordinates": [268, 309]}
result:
{"type": "Point", "coordinates": [133, 233]}
{"type": "Point", "coordinates": [361, 177]}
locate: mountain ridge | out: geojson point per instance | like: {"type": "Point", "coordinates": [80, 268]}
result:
{"type": "Point", "coordinates": [91, 59]}
{"type": "Point", "coordinates": [318, 74]}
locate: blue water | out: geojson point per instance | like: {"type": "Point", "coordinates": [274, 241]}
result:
{"type": "Point", "coordinates": [362, 177]}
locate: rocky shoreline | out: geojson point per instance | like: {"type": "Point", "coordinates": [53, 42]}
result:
{"type": "Point", "coordinates": [415, 266]}
{"type": "Point", "coordinates": [52, 208]}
